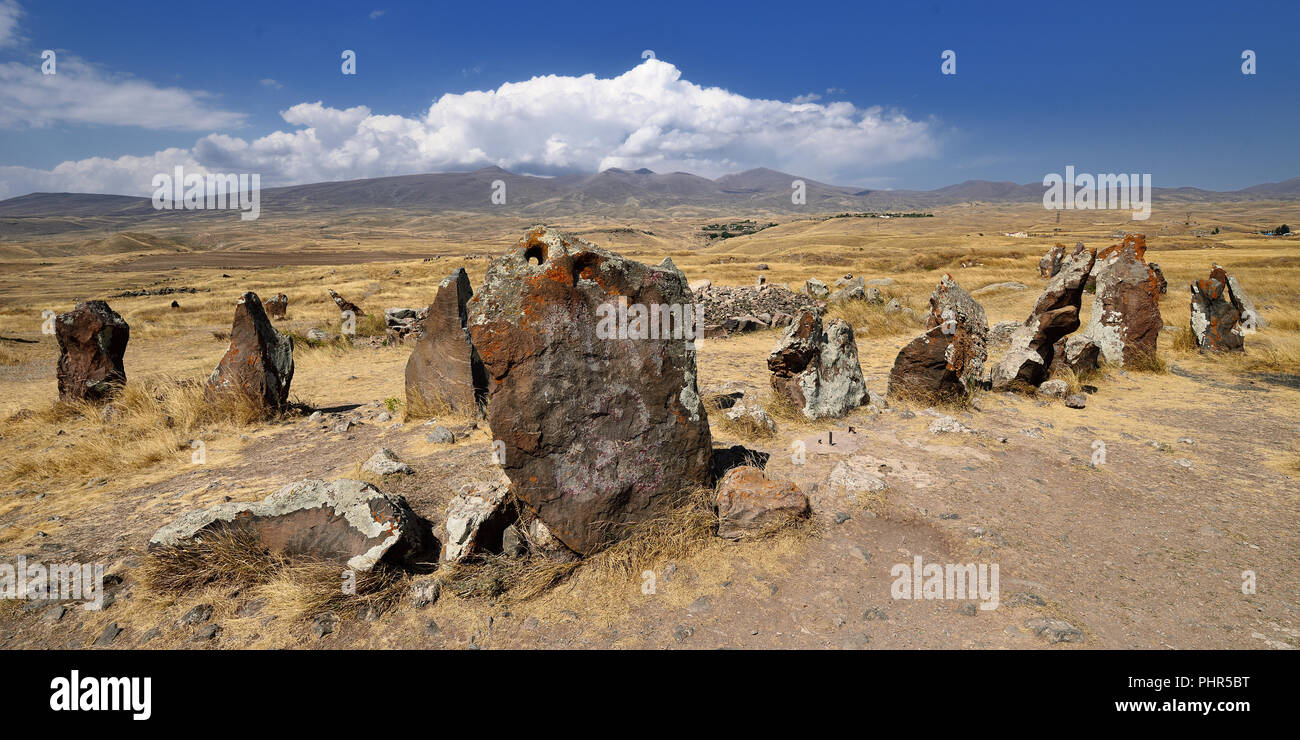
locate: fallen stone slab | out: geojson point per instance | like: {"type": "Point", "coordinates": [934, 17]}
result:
{"type": "Point", "coordinates": [346, 520]}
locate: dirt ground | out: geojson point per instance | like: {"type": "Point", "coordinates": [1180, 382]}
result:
{"type": "Point", "coordinates": [1144, 550]}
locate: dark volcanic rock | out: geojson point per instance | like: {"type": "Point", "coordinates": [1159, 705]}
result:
{"type": "Point", "coordinates": [346, 520]}
{"type": "Point", "coordinates": [818, 371]}
{"type": "Point", "coordinates": [259, 362]}
{"type": "Point", "coordinates": [1125, 320]}
{"type": "Point", "coordinates": [948, 359]}
{"type": "Point", "coordinates": [1055, 314]}
{"type": "Point", "coordinates": [445, 369]}
{"type": "Point", "coordinates": [92, 339]}
{"type": "Point", "coordinates": [602, 428]}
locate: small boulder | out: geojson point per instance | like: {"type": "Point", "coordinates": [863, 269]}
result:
{"type": "Point", "coordinates": [1054, 388]}
{"type": "Point", "coordinates": [751, 505]}
{"type": "Point", "coordinates": [477, 516]}
{"type": "Point", "coordinates": [815, 288]}
{"type": "Point", "coordinates": [386, 462]}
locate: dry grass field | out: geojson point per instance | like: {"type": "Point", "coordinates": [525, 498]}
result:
{"type": "Point", "coordinates": [1146, 551]}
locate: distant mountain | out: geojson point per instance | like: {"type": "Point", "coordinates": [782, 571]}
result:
{"type": "Point", "coordinates": [609, 192]}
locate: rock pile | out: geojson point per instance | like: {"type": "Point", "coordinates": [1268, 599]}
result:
{"type": "Point", "coordinates": [92, 339]}
{"type": "Point", "coordinates": [401, 324]}
{"type": "Point", "coordinates": [444, 369]}
{"type": "Point", "coordinates": [948, 359]}
{"type": "Point", "coordinates": [600, 432]}
{"type": "Point", "coordinates": [816, 370]}
{"type": "Point", "coordinates": [259, 362]}
{"type": "Point", "coordinates": [733, 310]}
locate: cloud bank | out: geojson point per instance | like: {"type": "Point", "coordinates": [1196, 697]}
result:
{"type": "Point", "coordinates": [646, 117]}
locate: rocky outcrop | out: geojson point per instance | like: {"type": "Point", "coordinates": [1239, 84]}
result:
{"type": "Point", "coordinates": [1218, 314]}
{"type": "Point", "coordinates": [402, 324]}
{"type": "Point", "coordinates": [1055, 315]}
{"type": "Point", "coordinates": [349, 521]}
{"type": "Point", "coordinates": [277, 307]}
{"type": "Point", "coordinates": [751, 505]}
{"type": "Point", "coordinates": [445, 370]}
{"type": "Point", "coordinates": [591, 366]}
{"type": "Point", "coordinates": [948, 359]}
{"type": "Point", "coordinates": [92, 340]}
{"type": "Point", "coordinates": [1050, 264]}
{"type": "Point", "coordinates": [818, 370]}
{"type": "Point", "coordinates": [344, 304]}
{"type": "Point", "coordinates": [1125, 320]}
{"type": "Point", "coordinates": [259, 363]}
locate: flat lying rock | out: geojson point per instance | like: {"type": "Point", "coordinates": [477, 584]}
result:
{"type": "Point", "coordinates": [345, 520]}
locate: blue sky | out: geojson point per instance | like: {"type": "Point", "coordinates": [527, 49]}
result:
{"type": "Point", "coordinates": [1155, 87]}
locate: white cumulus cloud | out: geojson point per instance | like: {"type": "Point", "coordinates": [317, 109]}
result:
{"type": "Point", "coordinates": [646, 117]}
{"type": "Point", "coordinates": [9, 12]}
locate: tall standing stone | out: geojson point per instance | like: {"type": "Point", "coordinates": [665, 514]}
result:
{"type": "Point", "coordinates": [818, 371]}
{"type": "Point", "coordinates": [259, 362]}
{"type": "Point", "coordinates": [92, 340]}
{"type": "Point", "coordinates": [592, 385]}
{"type": "Point", "coordinates": [947, 360]}
{"type": "Point", "coordinates": [1055, 314]}
{"type": "Point", "coordinates": [1125, 319]}
{"type": "Point", "coordinates": [444, 369]}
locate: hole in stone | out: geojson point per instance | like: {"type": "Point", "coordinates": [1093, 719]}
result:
{"type": "Point", "coordinates": [535, 254]}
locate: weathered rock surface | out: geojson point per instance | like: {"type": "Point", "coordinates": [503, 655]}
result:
{"type": "Point", "coordinates": [1055, 315]}
{"type": "Point", "coordinates": [1050, 264]}
{"type": "Point", "coordinates": [816, 370]}
{"type": "Point", "coordinates": [477, 517]}
{"type": "Point", "coordinates": [386, 462]}
{"type": "Point", "coordinates": [1076, 352]}
{"type": "Point", "coordinates": [753, 417]}
{"type": "Point", "coordinates": [751, 505]}
{"type": "Point", "coordinates": [277, 307]}
{"type": "Point", "coordinates": [1218, 314]}
{"type": "Point", "coordinates": [1125, 320]}
{"type": "Point", "coordinates": [600, 432]}
{"type": "Point", "coordinates": [445, 369]}
{"type": "Point", "coordinates": [344, 304]}
{"type": "Point", "coordinates": [948, 359]}
{"type": "Point", "coordinates": [735, 310]}
{"type": "Point", "coordinates": [1162, 285]}
{"type": "Point", "coordinates": [92, 339]}
{"type": "Point", "coordinates": [346, 520]}
{"type": "Point", "coordinates": [259, 362]}
{"type": "Point", "coordinates": [816, 289]}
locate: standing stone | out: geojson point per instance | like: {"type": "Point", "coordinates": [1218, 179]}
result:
{"type": "Point", "coordinates": [345, 305]}
{"type": "Point", "coordinates": [948, 359]}
{"type": "Point", "coordinates": [277, 307]}
{"type": "Point", "coordinates": [1217, 313]}
{"type": "Point", "coordinates": [92, 339]}
{"type": "Point", "coordinates": [591, 366]}
{"type": "Point", "coordinates": [1050, 264]}
{"type": "Point", "coordinates": [1125, 320]}
{"type": "Point", "coordinates": [816, 289]}
{"type": "Point", "coordinates": [1055, 314]}
{"type": "Point", "coordinates": [818, 371]}
{"type": "Point", "coordinates": [1076, 352]}
{"type": "Point", "coordinates": [1162, 285]}
{"type": "Point", "coordinates": [445, 369]}
{"type": "Point", "coordinates": [259, 362]}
